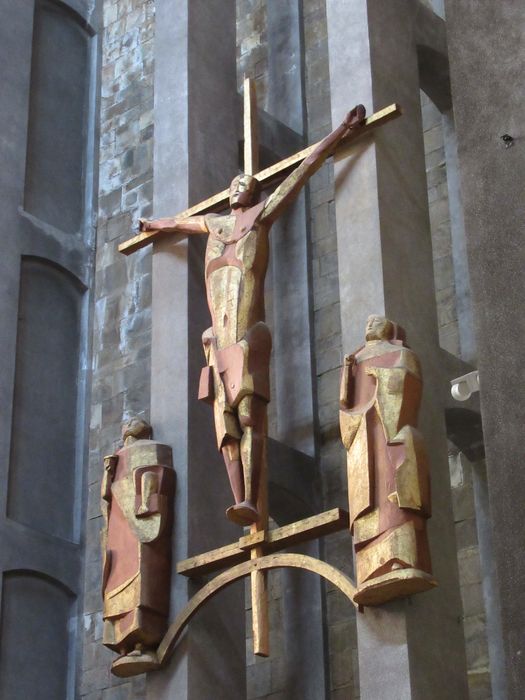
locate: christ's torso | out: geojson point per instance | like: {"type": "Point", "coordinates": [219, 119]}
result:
{"type": "Point", "coordinates": [235, 268]}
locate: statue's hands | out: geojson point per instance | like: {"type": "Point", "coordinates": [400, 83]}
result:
{"type": "Point", "coordinates": [110, 462]}
{"type": "Point", "coordinates": [355, 118]}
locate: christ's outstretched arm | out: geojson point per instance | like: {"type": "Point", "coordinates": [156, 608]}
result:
{"type": "Point", "coordinates": [288, 190]}
{"type": "Point", "coordinates": [174, 224]}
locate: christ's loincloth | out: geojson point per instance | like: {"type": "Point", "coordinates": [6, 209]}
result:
{"type": "Point", "coordinates": [239, 370]}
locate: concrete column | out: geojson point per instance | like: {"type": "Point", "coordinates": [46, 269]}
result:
{"type": "Point", "coordinates": [385, 266]}
{"type": "Point", "coordinates": [485, 53]}
{"type": "Point", "coordinates": [292, 355]}
{"type": "Point", "coordinates": [195, 156]}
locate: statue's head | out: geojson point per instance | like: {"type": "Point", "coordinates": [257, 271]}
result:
{"type": "Point", "coordinates": [244, 191]}
{"type": "Point", "coordinates": [379, 328]}
{"type": "Point", "coordinates": [137, 428]}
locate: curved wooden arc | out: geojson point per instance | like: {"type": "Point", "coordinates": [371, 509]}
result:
{"type": "Point", "coordinates": [271, 561]}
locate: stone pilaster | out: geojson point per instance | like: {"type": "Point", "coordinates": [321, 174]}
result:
{"type": "Point", "coordinates": [385, 266]}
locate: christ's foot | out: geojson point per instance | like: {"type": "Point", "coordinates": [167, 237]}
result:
{"type": "Point", "coordinates": [243, 513]}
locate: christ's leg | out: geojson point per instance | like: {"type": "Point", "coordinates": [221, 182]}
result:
{"type": "Point", "coordinates": [252, 419]}
{"type": "Point", "coordinates": [232, 460]}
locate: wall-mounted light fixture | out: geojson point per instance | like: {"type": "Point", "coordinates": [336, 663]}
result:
{"type": "Point", "coordinates": [463, 387]}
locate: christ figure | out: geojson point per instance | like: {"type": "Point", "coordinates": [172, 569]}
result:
{"type": "Point", "coordinates": [238, 343]}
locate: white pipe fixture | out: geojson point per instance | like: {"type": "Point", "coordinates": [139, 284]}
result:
{"type": "Point", "coordinates": [463, 387]}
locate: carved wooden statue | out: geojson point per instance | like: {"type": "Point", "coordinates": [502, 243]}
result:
{"type": "Point", "coordinates": [137, 503]}
{"type": "Point", "coordinates": [388, 478]}
{"type": "Point", "coordinates": [238, 344]}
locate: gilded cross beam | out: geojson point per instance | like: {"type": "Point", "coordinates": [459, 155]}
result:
{"type": "Point", "coordinates": [268, 177]}
{"type": "Point", "coordinates": [254, 555]}
{"type": "Point", "coordinates": [270, 541]}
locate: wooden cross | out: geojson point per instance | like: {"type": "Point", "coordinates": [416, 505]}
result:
{"type": "Point", "coordinates": [261, 543]}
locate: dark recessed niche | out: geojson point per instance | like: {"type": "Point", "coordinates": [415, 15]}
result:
{"type": "Point", "coordinates": [57, 118]}
{"type": "Point", "coordinates": [42, 470]}
{"type": "Point", "coordinates": [34, 637]}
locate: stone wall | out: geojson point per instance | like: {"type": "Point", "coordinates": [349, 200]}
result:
{"type": "Point", "coordinates": [121, 338]}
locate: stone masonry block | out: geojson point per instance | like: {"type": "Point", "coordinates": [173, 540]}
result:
{"type": "Point", "coordinates": [326, 291]}
{"type": "Point", "coordinates": [327, 321]}
{"type": "Point", "coordinates": [119, 692]}
{"type": "Point", "coordinates": [469, 565]}
{"type": "Point", "coordinates": [259, 679]}
{"type": "Point", "coordinates": [466, 534]}
{"type": "Point", "coordinates": [328, 386]}
{"type": "Point", "coordinates": [476, 642]}
{"type": "Point", "coordinates": [345, 692]}
{"type": "Point", "coordinates": [93, 680]}
{"type": "Point", "coordinates": [443, 272]}
{"type": "Point", "coordinates": [472, 597]}
{"type": "Point", "coordinates": [342, 636]}
{"type": "Point", "coordinates": [328, 359]}
{"type": "Point", "coordinates": [340, 669]}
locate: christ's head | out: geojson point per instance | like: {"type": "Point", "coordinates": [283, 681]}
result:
{"type": "Point", "coordinates": [244, 191]}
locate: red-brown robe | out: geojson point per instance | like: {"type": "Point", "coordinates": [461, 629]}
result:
{"type": "Point", "coordinates": [388, 479]}
{"type": "Point", "coordinates": [136, 546]}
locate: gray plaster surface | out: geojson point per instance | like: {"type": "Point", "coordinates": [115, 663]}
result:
{"type": "Point", "coordinates": [486, 53]}
{"type": "Point", "coordinates": [385, 266]}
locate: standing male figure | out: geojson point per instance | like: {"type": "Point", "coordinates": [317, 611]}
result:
{"type": "Point", "coordinates": [238, 343]}
{"type": "Point", "coordinates": [388, 474]}
{"type": "Point", "coordinates": [137, 504]}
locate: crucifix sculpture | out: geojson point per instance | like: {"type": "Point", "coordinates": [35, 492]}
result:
{"type": "Point", "coordinates": [238, 343]}
{"type": "Point", "coordinates": [237, 348]}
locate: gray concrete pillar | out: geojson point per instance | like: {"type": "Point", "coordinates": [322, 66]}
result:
{"type": "Point", "coordinates": [385, 265]}
{"type": "Point", "coordinates": [292, 355]}
{"type": "Point", "coordinates": [195, 156]}
{"type": "Point", "coordinates": [485, 53]}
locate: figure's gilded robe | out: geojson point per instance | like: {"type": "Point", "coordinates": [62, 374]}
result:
{"type": "Point", "coordinates": [388, 477]}
{"type": "Point", "coordinates": [137, 499]}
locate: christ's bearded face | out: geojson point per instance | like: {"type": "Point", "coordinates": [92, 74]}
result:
{"type": "Point", "coordinates": [244, 191]}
